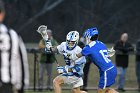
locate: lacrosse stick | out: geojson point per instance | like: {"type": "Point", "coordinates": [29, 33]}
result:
{"type": "Point", "coordinates": [111, 52]}
{"type": "Point", "coordinates": [43, 31]}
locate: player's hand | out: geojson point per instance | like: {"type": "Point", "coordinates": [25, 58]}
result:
{"type": "Point", "coordinates": [111, 52]}
{"type": "Point", "coordinates": [45, 36]}
{"type": "Point", "coordinates": [48, 45]}
{"type": "Point", "coordinates": [60, 69]}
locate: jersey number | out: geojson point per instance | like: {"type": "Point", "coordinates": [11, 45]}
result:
{"type": "Point", "coordinates": [105, 55]}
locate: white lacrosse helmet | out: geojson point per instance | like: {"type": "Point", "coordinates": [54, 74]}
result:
{"type": "Point", "coordinates": [72, 39]}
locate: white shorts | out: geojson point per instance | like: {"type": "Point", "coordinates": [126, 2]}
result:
{"type": "Point", "coordinates": [72, 80]}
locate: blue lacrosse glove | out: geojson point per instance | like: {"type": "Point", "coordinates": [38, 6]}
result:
{"type": "Point", "coordinates": [48, 44]}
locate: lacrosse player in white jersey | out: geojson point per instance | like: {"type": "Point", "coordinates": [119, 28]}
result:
{"type": "Point", "coordinates": [72, 72]}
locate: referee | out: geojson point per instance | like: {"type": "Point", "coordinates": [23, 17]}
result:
{"type": "Point", "coordinates": [14, 73]}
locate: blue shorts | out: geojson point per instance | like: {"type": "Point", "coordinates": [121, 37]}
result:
{"type": "Point", "coordinates": [107, 78]}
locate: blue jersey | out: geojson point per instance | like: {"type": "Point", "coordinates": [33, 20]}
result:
{"type": "Point", "coordinates": [99, 55]}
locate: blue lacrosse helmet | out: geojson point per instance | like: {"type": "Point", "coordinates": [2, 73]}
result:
{"type": "Point", "coordinates": [91, 32]}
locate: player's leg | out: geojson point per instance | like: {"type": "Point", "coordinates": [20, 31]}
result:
{"type": "Point", "coordinates": [107, 78]}
{"type": "Point", "coordinates": [110, 90]}
{"type": "Point", "coordinates": [100, 91]}
{"type": "Point", "coordinates": [77, 83]}
{"type": "Point", "coordinates": [57, 84]}
{"type": "Point", "coordinates": [77, 90]}
{"type": "Point", "coordinates": [83, 92]}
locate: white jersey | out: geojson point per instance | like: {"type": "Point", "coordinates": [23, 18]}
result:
{"type": "Point", "coordinates": [62, 49]}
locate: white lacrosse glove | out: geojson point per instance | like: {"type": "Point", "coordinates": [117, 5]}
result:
{"type": "Point", "coordinates": [45, 37]}
{"type": "Point", "coordinates": [111, 52]}
{"type": "Point", "coordinates": [66, 68]}
{"type": "Point", "coordinates": [48, 45]}
{"type": "Point", "coordinates": [61, 70]}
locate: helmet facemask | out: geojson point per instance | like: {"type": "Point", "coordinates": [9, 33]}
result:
{"type": "Point", "coordinates": [87, 40]}
{"type": "Point", "coordinates": [87, 37]}
{"type": "Point", "coordinates": [71, 44]}
{"type": "Point", "coordinates": [89, 33]}
{"type": "Point", "coordinates": [72, 39]}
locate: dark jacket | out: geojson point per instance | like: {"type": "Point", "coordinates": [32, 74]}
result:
{"type": "Point", "coordinates": [122, 53]}
{"type": "Point", "coordinates": [138, 51]}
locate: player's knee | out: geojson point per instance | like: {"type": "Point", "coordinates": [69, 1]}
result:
{"type": "Point", "coordinates": [75, 90]}
{"type": "Point", "coordinates": [101, 91]}
{"type": "Point", "coordinates": [111, 91]}
{"type": "Point", "coordinates": [57, 81]}
{"type": "Point", "coordinates": [83, 92]}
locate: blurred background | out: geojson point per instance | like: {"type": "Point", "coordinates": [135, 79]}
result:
{"type": "Point", "coordinates": [111, 17]}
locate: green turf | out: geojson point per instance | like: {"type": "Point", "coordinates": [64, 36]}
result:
{"type": "Point", "coordinates": [94, 75]}
{"type": "Point", "coordinates": [68, 91]}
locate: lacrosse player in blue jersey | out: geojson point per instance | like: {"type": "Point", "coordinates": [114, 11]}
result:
{"type": "Point", "coordinates": [100, 57]}
{"type": "Point", "coordinates": [70, 74]}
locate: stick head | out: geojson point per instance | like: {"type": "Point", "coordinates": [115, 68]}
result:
{"type": "Point", "coordinates": [43, 31]}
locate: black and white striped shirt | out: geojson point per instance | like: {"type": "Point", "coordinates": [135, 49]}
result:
{"type": "Point", "coordinates": [13, 58]}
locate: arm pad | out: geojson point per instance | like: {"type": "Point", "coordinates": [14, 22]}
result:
{"type": "Point", "coordinates": [76, 68]}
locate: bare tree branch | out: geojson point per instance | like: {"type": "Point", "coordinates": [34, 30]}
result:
{"type": "Point", "coordinates": [45, 9]}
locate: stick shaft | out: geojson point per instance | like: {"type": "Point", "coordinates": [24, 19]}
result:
{"type": "Point", "coordinates": [54, 57]}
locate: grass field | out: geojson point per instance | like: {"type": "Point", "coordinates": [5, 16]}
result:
{"type": "Point", "coordinates": [68, 91]}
